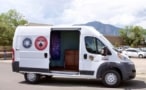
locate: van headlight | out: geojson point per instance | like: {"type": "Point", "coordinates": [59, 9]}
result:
{"type": "Point", "coordinates": [125, 58]}
{"type": "Point", "coordinates": [122, 57]}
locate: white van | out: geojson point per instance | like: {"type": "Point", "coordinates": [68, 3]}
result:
{"type": "Point", "coordinates": [68, 51]}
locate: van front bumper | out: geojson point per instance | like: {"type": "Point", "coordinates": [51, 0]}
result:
{"type": "Point", "coordinates": [129, 71]}
{"type": "Point", "coordinates": [15, 66]}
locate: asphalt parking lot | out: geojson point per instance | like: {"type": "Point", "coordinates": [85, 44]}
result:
{"type": "Point", "coordinates": [140, 65]}
{"type": "Point", "coordinates": [13, 81]}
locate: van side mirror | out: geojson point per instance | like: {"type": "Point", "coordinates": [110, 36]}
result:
{"type": "Point", "coordinates": [105, 51]}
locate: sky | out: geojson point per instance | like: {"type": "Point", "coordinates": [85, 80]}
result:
{"type": "Point", "coordinates": [120, 13]}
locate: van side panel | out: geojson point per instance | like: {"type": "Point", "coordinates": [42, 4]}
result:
{"type": "Point", "coordinates": [28, 56]}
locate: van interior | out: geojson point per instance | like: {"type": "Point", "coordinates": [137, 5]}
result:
{"type": "Point", "coordinates": [64, 50]}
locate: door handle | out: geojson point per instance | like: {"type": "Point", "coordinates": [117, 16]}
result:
{"type": "Point", "coordinates": [45, 55]}
{"type": "Point", "coordinates": [85, 56]}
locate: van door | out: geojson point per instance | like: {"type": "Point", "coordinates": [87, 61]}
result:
{"type": "Point", "coordinates": [34, 53]}
{"type": "Point", "coordinates": [90, 54]}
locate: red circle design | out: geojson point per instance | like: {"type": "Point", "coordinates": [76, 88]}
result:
{"type": "Point", "coordinates": [41, 43]}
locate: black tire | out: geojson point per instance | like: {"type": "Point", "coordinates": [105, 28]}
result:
{"type": "Point", "coordinates": [111, 78]}
{"type": "Point", "coordinates": [48, 77]}
{"type": "Point", "coordinates": [32, 78]}
{"type": "Point", "coordinates": [140, 56]}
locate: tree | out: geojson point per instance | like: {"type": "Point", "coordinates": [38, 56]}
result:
{"type": "Point", "coordinates": [8, 23]}
{"type": "Point", "coordinates": [132, 35]}
{"type": "Point", "coordinates": [3, 29]}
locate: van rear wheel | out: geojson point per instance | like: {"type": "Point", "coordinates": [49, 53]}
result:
{"type": "Point", "coordinates": [32, 78]}
{"type": "Point", "coordinates": [111, 78]}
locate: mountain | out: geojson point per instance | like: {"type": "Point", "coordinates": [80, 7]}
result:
{"type": "Point", "coordinates": [105, 29]}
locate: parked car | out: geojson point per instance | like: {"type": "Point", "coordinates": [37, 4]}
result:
{"type": "Point", "coordinates": [133, 52]}
{"type": "Point", "coordinates": [143, 49]}
{"type": "Point", "coordinates": [121, 49]}
{"type": "Point", "coordinates": [125, 47]}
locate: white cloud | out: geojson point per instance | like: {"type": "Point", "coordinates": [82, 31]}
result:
{"type": "Point", "coordinates": [39, 11]}
{"type": "Point", "coordinates": [116, 12]}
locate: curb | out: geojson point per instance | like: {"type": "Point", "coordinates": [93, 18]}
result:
{"type": "Point", "coordinates": [5, 61]}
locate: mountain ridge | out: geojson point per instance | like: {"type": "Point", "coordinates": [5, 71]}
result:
{"type": "Point", "coordinates": [105, 29]}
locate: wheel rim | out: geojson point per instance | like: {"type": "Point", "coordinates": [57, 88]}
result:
{"type": "Point", "coordinates": [111, 78]}
{"type": "Point", "coordinates": [31, 77]}
{"type": "Point", "coordinates": [140, 56]}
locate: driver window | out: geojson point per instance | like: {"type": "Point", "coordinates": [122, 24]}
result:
{"type": "Point", "coordinates": [94, 45]}
{"type": "Point", "coordinates": [90, 44]}
{"type": "Point", "coordinates": [100, 46]}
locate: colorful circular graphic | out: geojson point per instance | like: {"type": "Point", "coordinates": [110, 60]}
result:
{"type": "Point", "coordinates": [41, 43]}
{"type": "Point", "coordinates": [27, 43]}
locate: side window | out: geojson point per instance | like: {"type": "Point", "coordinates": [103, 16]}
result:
{"type": "Point", "coordinates": [100, 46]}
{"type": "Point", "coordinates": [131, 50]}
{"type": "Point", "coordinates": [90, 44]}
{"type": "Point", "coordinates": [94, 45]}
{"type": "Point", "coordinates": [135, 51]}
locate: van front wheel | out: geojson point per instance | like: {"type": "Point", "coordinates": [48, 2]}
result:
{"type": "Point", "coordinates": [111, 78]}
{"type": "Point", "coordinates": [32, 77]}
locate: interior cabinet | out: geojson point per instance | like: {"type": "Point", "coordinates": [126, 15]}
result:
{"type": "Point", "coordinates": [72, 59]}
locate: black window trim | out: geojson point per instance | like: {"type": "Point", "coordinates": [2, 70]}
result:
{"type": "Point", "coordinates": [95, 43]}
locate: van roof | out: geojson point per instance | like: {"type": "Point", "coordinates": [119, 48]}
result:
{"type": "Point", "coordinates": [35, 30]}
